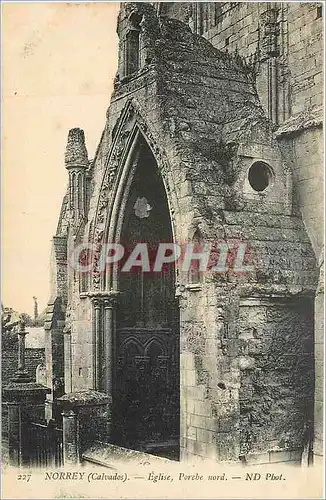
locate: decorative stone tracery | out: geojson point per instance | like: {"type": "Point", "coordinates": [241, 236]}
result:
{"type": "Point", "coordinates": [128, 125]}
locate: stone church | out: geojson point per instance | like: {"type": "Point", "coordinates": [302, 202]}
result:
{"type": "Point", "coordinates": [213, 134]}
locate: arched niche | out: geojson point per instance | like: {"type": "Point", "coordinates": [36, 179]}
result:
{"type": "Point", "coordinates": [146, 380]}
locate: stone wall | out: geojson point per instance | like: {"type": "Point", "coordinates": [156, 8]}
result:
{"type": "Point", "coordinates": [240, 26]}
{"type": "Point", "coordinates": [301, 60]}
{"type": "Point", "coordinates": [210, 379]}
{"type": "Point", "coordinates": [290, 32]}
{"type": "Point", "coordinates": [276, 395]}
{"type": "Point", "coordinates": [246, 378]}
{"type": "Point", "coordinates": [54, 351]}
{"type": "Point", "coordinates": [304, 152]}
{"type": "Point", "coordinates": [9, 362]}
{"type": "Point", "coordinates": [305, 55]}
{"type": "Point", "coordinates": [236, 27]}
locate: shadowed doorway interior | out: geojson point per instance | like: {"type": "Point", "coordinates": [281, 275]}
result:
{"type": "Point", "coordinates": [146, 396]}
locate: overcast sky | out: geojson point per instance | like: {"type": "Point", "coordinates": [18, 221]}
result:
{"type": "Point", "coordinates": [59, 61]}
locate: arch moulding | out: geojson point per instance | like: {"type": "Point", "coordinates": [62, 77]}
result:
{"type": "Point", "coordinates": [130, 129]}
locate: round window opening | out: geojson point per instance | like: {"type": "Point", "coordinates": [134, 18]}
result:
{"type": "Point", "coordinates": [260, 176]}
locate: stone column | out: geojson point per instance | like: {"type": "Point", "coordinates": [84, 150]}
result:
{"type": "Point", "coordinates": [96, 343]}
{"type": "Point", "coordinates": [71, 451]}
{"type": "Point", "coordinates": [108, 323]}
{"type": "Point", "coordinates": [103, 338]}
{"type": "Point", "coordinates": [67, 359]}
{"type": "Point", "coordinates": [110, 303]}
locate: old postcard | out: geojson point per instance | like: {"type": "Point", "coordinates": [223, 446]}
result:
{"type": "Point", "coordinates": [162, 310]}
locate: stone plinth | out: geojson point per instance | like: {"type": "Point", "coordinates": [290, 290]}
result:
{"type": "Point", "coordinates": [25, 393]}
{"type": "Point", "coordinates": [25, 402]}
{"type": "Point", "coordinates": [86, 418]}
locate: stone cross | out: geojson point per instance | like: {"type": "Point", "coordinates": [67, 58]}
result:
{"type": "Point", "coordinates": [21, 374]}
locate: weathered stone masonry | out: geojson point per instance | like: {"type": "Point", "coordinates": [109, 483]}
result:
{"type": "Point", "coordinates": [216, 130]}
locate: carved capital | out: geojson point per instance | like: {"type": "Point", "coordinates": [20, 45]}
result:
{"type": "Point", "coordinates": [110, 302]}
{"type": "Point", "coordinates": [96, 303]}
{"type": "Point", "coordinates": [109, 299]}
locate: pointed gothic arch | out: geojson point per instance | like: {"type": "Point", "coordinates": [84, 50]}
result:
{"type": "Point", "coordinates": [130, 130]}
{"type": "Point", "coordinates": [144, 382]}
{"type": "Point", "coordinates": [146, 310]}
